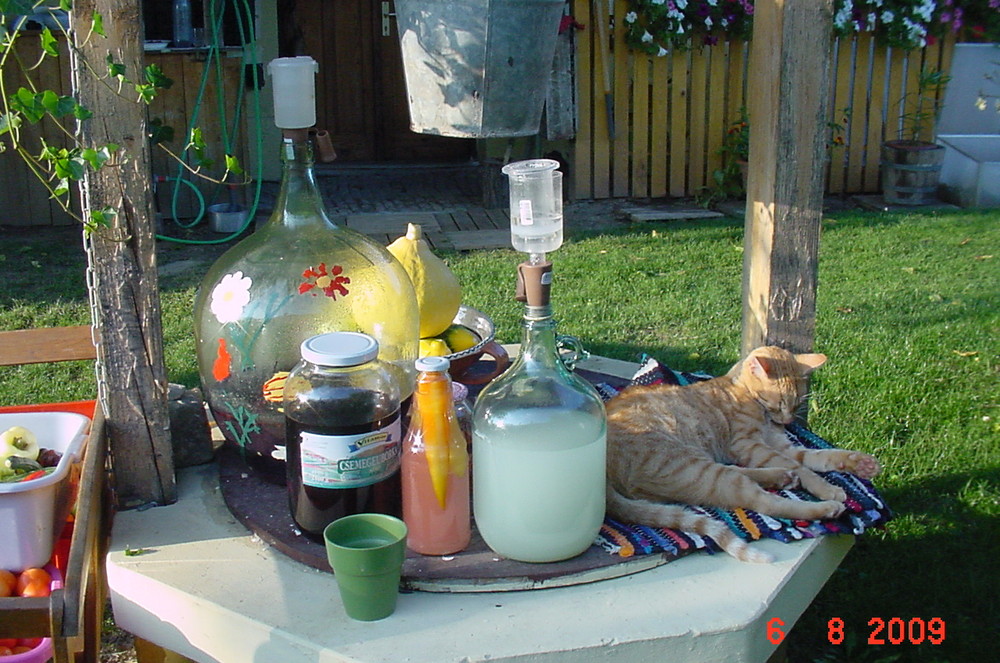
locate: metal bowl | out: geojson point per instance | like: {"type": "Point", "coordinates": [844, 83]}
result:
{"type": "Point", "coordinates": [462, 361]}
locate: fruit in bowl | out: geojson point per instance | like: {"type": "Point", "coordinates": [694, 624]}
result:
{"type": "Point", "coordinates": [438, 292]}
{"type": "Point", "coordinates": [447, 328]}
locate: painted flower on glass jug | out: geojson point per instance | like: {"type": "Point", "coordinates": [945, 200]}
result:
{"type": "Point", "coordinates": [331, 282]}
{"type": "Point", "coordinates": [230, 296]}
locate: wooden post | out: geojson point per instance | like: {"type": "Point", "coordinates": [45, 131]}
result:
{"type": "Point", "coordinates": [790, 65]}
{"type": "Point", "coordinates": [124, 283]}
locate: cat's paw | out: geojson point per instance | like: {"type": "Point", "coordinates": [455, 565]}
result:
{"type": "Point", "coordinates": [776, 477]}
{"type": "Point", "coordinates": [789, 479]}
{"type": "Point", "coordinates": [861, 464]}
{"type": "Point", "coordinates": [822, 488]}
{"type": "Point", "coordinates": [830, 509]}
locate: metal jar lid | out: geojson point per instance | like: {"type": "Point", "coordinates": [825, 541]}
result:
{"type": "Point", "coordinates": [339, 349]}
{"type": "Point", "coordinates": [437, 364]}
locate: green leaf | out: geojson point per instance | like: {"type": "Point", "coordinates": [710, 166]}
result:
{"type": "Point", "coordinates": [102, 218]}
{"type": "Point", "coordinates": [49, 101]}
{"type": "Point", "coordinates": [233, 164]}
{"type": "Point", "coordinates": [96, 158]}
{"type": "Point", "coordinates": [49, 43]}
{"type": "Point", "coordinates": [9, 121]}
{"type": "Point", "coordinates": [146, 92]}
{"type": "Point", "coordinates": [197, 139]}
{"type": "Point", "coordinates": [81, 113]}
{"type": "Point", "coordinates": [61, 188]}
{"type": "Point", "coordinates": [115, 69]}
{"type": "Point", "coordinates": [66, 5]}
{"type": "Point", "coordinates": [16, 7]}
{"type": "Point", "coordinates": [65, 106]}
{"type": "Point", "coordinates": [28, 104]}
{"type": "Point", "coordinates": [97, 24]}
{"type": "Point", "coordinates": [155, 77]}
{"type": "Point", "coordinates": [159, 132]}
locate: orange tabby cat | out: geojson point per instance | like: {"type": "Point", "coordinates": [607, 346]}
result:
{"type": "Point", "coordinates": [716, 443]}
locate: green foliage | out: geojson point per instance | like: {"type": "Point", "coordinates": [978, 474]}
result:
{"type": "Point", "coordinates": [920, 108]}
{"type": "Point", "coordinates": [60, 167]}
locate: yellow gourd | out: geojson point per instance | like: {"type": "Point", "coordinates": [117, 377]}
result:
{"type": "Point", "coordinates": [438, 291]}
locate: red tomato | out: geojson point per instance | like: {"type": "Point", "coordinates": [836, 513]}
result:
{"type": "Point", "coordinates": [6, 651]}
{"type": "Point", "coordinates": [29, 642]}
{"type": "Point", "coordinates": [21, 649]}
{"type": "Point", "coordinates": [8, 583]}
{"type": "Point", "coordinates": [8, 642]}
{"type": "Point", "coordinates": [36, 590]}
{"type": "Point", "coordinates": [33, 576]}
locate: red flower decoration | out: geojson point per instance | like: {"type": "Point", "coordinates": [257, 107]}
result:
{"type": "Point", "coordinates": [220, 368]}
{"type": "Point", "coordinates": [331, 282]}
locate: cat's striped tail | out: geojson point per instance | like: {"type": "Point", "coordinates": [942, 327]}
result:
{"type": "Point", "coordinates": [675, 516]}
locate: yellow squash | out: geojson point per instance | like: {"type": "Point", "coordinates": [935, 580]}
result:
{"type": "Point", "coordinates": [438, 291]}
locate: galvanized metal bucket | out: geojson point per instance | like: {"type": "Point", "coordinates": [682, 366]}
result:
{"type": "Point", "coordinates": [477, 68]}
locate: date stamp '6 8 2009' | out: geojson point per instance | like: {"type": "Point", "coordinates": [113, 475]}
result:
{"type": "Point", "coordinates": [892, 631]}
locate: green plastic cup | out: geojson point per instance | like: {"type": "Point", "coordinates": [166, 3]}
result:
{"type": "Point", "coordinates": [366, 551]}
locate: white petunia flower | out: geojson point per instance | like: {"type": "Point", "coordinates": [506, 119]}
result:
{"type": "Point", "coordinates": [229, 297]}
{"type": "Point", "coordinates": [631, 17]}
{"type": "Point", "coordinates": [646, 37]}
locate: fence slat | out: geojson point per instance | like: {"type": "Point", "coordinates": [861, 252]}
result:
{"type": "Point", "coordinates": [680, 84]}
{"type": "Point", "coordinates": [640, 126]}
{"type": "Point", "coordinates": [699, 97]}
{"type": "Point", "coordinates": [623, 60]}
{"type": "Point", "coordinates": [871, 164]}
{"type": "Point", "coordinates": [583, 171]}
{"type": "Point", "coordinates": [660, 93]}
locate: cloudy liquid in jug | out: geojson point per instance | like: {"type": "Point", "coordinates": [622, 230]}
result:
{"type": "Point", "coordinates": [560, 483]}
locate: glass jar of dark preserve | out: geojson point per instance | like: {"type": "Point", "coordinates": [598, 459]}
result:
{"type": "Point", "coordinates": [342, 428]}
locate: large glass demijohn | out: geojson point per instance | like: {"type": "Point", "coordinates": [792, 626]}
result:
{"type": "Point", "coordinates": [297, 276]}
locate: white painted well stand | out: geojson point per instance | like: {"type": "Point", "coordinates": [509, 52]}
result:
{"type": "Point", "coordinates": [208, 590]}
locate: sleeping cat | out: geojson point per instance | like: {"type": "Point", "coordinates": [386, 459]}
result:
{"type": "Point", "coordinates": [720, 443]}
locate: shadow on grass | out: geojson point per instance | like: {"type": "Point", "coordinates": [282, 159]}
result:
{"type": "Point", "coordinates": [941, 549]}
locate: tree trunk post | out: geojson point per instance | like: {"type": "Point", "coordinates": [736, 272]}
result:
{"type": "Point", "coordinates": [122, 276]}
{"type": "Point", "coordinates": [790, 69]}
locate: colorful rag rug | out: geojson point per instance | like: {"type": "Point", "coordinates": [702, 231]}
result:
{"type": "Point", "coordinates": [865, 507]}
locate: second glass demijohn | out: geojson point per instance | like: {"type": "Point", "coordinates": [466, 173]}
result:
{"type": "Point", "coordinates": [297, 276]}
{"type": "Point", "coordinates": [539, 440]}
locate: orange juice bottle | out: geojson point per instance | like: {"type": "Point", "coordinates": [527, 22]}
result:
{"type": "Point", "coordinates": [435, 466]}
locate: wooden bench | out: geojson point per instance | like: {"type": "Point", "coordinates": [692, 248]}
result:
{"type": "Point", "coordinates": [71, 616]}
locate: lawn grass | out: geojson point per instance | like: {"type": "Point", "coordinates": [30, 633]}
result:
{"type": "Point", "coordinates": [908, 312]}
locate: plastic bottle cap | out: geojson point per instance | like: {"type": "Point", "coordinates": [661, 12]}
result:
{"type": "Point", "coordinates": [339, 349]}
{"type": "Point", "coordinates": [435, 364]}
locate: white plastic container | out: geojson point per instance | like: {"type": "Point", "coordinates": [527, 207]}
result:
{"type": "Point", "coordinates": [32, 512]}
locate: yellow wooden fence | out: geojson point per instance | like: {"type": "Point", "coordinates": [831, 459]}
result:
{"type": "Point", "coordinates": [671, 113]}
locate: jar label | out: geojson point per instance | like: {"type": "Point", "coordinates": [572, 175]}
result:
{"type": "Point", "coordinates": [350, 461]}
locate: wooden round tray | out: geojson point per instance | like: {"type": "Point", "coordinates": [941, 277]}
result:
{"type": "Point", "coordinates": [263, 508]}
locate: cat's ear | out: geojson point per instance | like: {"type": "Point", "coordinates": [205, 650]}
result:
{"type": "Point", "coordinates": [758, 366]}
{"type": "Point", "coordinates": [810, 362]}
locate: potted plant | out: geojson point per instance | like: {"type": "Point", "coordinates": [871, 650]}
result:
{"type": "Point", "coordinates": [911, 163]}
